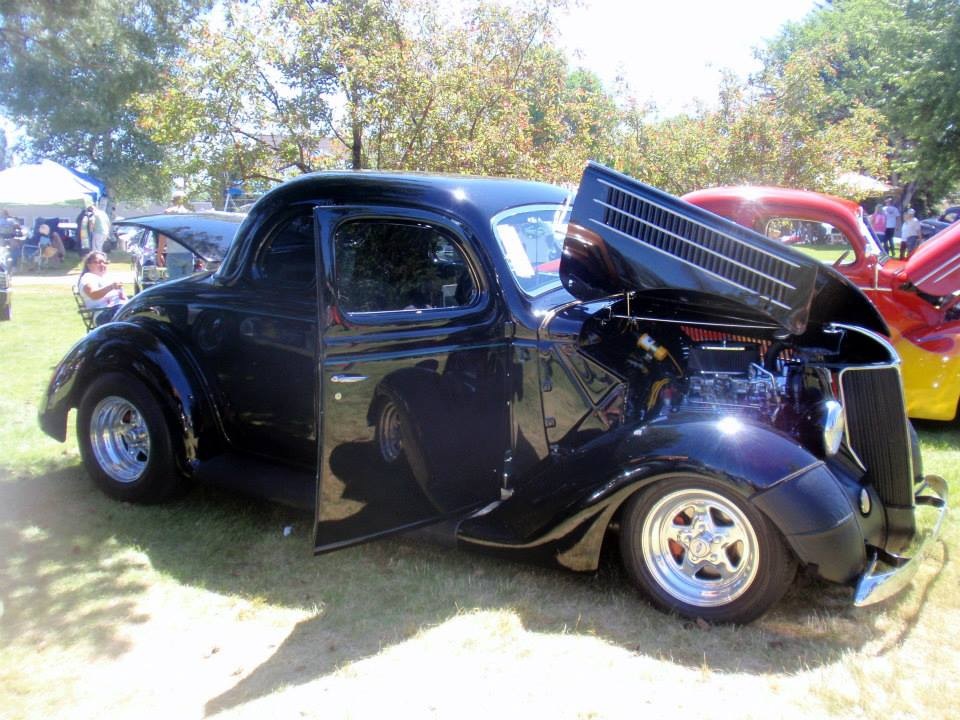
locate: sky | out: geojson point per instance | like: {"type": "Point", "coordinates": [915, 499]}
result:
{"type": "Point", "coordinates": [669, 51]}
{"type": "Point", "coordinates": [673, 51]}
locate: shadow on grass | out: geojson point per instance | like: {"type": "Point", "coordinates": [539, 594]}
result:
{"type": "Point", "coordinates": [54, 584]}
{"type": "Point", "coordinates": [68, 576]}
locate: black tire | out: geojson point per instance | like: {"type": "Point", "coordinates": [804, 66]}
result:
{"type": "Point", "coordinates": [6, 312]}
{"type": "Point", "coordinates": [125, 441]}
{"type": "Point", "coordinates": [700, 550]}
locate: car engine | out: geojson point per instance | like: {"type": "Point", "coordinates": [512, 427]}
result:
{"type": "Point", "coordinates": [673, 367]}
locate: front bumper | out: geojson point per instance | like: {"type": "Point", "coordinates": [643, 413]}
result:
{"type": "Point", "coordinates": [886, 573]}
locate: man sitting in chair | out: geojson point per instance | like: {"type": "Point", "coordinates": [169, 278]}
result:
{"type": "Point", "coordinates": [98, 294]}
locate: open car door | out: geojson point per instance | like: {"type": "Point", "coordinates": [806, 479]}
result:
{"type": "Point", "coordinates": [413, 376]}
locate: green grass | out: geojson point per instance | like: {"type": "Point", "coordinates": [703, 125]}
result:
{"type": "Point", "coordinates": [204, 606]}
{"type": "Point", "coordinates": [828, 254]}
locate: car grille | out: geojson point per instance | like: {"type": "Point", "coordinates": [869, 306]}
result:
{"type": "Point", "coordinates": [877, 430]}
{"type": "Point", "coordinates": [3, 280]}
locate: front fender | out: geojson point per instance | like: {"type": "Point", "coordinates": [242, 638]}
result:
{"type": "Point", "coordinates": [156, 361]}
{"type": "Point", "coordinates": [566, 521]}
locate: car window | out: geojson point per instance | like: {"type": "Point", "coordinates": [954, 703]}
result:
{"type": "Point", "coordinates": [387, 265]}
{"type": "Point", "coordinates": [531, 239]}
{"type": "Point", "coordinates": [817, 239]}
{"type": "Point", "coordinates": [289, 257]}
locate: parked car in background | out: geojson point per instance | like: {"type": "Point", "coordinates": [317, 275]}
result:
{"type": "Point", "coordinates": [917, 298]}
{"type": "Point", "coordinates": [395, 350]}
{"type": "Point", "coordinates": [206, 235]}
{"type": "Point", "coordinates": [932, 225]}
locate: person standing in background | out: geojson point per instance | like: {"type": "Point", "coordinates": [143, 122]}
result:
{"type": "Point", "coordinates": [170, 254]}
{"type": "Point", "coordinates": [8, 227]}
{"type": "Point", "coordinates": [878, 222]}
{"type": "Point", "coordinates": [98, 226]}
{"type": "Point", "coordinates": [178, 203]}
{"type": "Point", "coordinates": [892, 215]}
{"type": "Point", "coordinates": [910, 234]}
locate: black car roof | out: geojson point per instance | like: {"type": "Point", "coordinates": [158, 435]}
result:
{"type": "Point", "coordinates": [461, 194]}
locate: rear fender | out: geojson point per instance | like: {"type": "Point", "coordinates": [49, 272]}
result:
{"type": "Point", "coordinates": [154, 360]}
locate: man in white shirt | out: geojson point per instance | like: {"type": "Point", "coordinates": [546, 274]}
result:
{"type": "Point", "coordinates": [892, 214]}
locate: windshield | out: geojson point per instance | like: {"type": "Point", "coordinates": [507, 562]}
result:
{"type": "Point", "coordinates": [531, 239]}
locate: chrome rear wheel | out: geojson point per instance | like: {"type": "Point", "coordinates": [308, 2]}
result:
{"type": "Point", "coordinates": [125, 441]}
{"type": "Point", "coordinates": [119, 439]}
{"type": "Point", "coordinates": [389, 433]}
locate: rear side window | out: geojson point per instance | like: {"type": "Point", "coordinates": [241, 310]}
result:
{"type": "Point", "coordinates": [386, 265]}
{"type": "Point", "coordinates": [289, 257]}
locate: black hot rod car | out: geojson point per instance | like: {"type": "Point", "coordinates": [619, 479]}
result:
{"type": "Point", "coordinates": [393, 350]}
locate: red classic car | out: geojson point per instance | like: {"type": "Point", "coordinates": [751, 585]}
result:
{"type": "Point", "coordinates": [918, 297]}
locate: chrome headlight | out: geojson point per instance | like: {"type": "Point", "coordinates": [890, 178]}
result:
{"type": "Point", "coordinates": [150, 273]}
{"type": "Point", "coordinates": [834, 426]}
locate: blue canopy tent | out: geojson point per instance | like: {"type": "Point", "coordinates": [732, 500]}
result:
{"type": "Point", "coordinates": [93, 181]}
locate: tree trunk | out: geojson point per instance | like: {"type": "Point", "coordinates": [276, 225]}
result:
{"type": "Point", "coordinates": [908, 192]}
{"type": "Point", "coordinates": [357, 145]}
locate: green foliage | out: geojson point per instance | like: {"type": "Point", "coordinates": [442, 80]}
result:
{"type": "Point", "coordinates": [398, 84]}
{"type": "Point", "coordinates": [899, 58]}
{"type": "Point", "coordinates": [68, 71]}
{"type": "Point", "coordinates": [264, 92]}
{"type": "Point", "coordinates": [775, 135]}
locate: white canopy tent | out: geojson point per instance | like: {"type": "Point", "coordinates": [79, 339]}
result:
{"type": "Point", "coordinates": [46, 183]}
{"type": "Point", "coordinates": [862, 186]}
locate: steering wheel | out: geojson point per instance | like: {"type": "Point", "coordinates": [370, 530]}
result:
{"type": "Point", "coordinates": [839, 260]}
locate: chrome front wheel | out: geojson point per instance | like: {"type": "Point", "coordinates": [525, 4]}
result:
{"type": "Point", "coordinates": [698, 548]}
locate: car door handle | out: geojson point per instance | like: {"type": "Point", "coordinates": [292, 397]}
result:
{"type": "Point", "coordinates": [347, 378]}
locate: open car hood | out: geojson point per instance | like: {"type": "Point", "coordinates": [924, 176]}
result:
{"type": "Point", "coordinates": [207, 234]}
{"type": "Point", "coordinates": [935, 267]}
{"type": "Point", "coordinates": [627, 236]}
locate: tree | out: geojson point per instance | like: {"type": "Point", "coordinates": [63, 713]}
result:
{"type": "Point", "coordinates": [224, 112]}
{"type": "Point", "coordinates": [928, 106]}
{"type": "Point", "coordinates": [68, 72]}
{"type": "Point", "coordinates": [773, 135]}
{"type": "Point", "coordinates": [4, 150]}
{"type": "Point", "coordinates": [397, 84]}
{"type": "Point", "coordinates": [900, 59]}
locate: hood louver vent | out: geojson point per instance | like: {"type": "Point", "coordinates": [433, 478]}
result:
{"type": "Point", "coordinates": [722, 256]}
{"type": "Point", "coordinates": [650, 240]}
